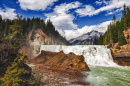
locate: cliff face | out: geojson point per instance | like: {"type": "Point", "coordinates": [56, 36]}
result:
{"type": "Point", "coordinates": [39, 38]}
{"type": "Point", "coordinates": [127, 35]}
{"type": "Point", "coordinates": [122, 55]}
{"type": "Point", "coordinates": [61, 61]}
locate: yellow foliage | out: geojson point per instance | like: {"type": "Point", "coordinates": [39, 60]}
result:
{"type": "Point", "coordinates": [15, 74]}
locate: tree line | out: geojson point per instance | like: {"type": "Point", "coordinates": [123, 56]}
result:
{"type": "Point", "coordinates": [115, 30]}
{"type": "Point", "coordinates": [28, 24]}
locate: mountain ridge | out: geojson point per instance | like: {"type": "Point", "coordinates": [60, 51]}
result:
{"type": "Point", "coordinates": [86, 38]}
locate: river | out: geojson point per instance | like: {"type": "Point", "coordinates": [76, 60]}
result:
{"type": "Point", "coordinates": [108, 76]}
{"type": "Point", "coordinates": [104, 72]}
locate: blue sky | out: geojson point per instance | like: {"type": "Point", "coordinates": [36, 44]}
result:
{"type": "Point", "coordinates": [71, 18]}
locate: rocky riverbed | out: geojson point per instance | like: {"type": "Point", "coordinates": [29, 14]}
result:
{"type": "Point", "coordinates": [51, 77]}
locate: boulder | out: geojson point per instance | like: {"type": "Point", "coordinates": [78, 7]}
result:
{"type": "Point", "coordinates": [61, 61]}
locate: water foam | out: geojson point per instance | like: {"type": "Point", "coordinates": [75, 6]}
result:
{"type": "Point", "coordinates": [94, 55]}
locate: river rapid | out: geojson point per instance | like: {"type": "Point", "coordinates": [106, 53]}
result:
{"type": "Point", "coordinates": [104, 72]}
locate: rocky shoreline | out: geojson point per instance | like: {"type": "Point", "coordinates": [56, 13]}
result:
{"type": "Point", "coordinates": [59, 69]}
{"type": "Point", "coordinates": [50, 77]}
{"type": "Point", "coordinates": [121, 56]}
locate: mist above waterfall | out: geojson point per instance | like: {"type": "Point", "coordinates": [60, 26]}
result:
{"type": "Point", "coordinates": [94, 55]}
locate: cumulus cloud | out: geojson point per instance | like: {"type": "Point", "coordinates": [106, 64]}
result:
{"type": "Point", "coordinates": [35, 4]}
{"type": "Point", "coordinates": [8, 13]}
{"type": "Point", "coordinates": [69, 34]}
{"type": "Point", "coordinates": [61, 18]}
{"type": "Point", "coordinates": [112, 4]}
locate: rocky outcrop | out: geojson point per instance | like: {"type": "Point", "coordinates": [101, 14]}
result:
{"type": "Point", "coordinates": [127, 34]}
{"type": "Point", "coordinates": [44, 56]}
{"type": "Point", "coordinates": [121, 55]}
{"type": "Point", "coordinates": [123, 61]}
{"type": "Point", "coordinates": [39, 38]}
{"type": "Point", "coordinates": [62, 61]}
{"type": "Point", "coordinates": [68, 61]}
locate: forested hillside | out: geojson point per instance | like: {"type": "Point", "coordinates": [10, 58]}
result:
{"type": "Point", "coordinates": [26, 24]}
{"type": "Point", "coordinates": [115, 30]}
{"type": "Point", "coordinates": [14, 35]}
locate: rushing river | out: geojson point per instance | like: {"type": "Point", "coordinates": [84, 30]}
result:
{"type": "Point", "coordinates": [104, 72]}
{"type": "Point", "coordinates": [108, 76]}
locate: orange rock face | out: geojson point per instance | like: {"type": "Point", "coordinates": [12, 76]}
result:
{"type": "Point", "coordinates": [126, 34]}
{"type": "Point", "coordinates": [62, 61]}
{"type": "Point", "coordinates": [122, 56]}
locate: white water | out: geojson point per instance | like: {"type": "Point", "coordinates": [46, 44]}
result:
{"type": "Point", "coordinates": [94, 55]}
{"type": "Point", "coordinates": [108, 76]}
{"type": "Point", "coordinates": [104, 72]}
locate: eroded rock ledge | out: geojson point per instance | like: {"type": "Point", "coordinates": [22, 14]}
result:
{"type": "Point", "coordinates": [61, 61]}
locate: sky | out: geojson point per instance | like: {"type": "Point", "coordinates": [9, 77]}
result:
{"type": "Point", "coordinates": [71, 18]}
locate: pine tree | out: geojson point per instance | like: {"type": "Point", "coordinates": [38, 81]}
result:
{"type": "Point", "coordinates": [100, 40]}
{"type": "Point", "coordinates": [95, 42]}
{"type": "Point", "coordinates": [122, 39]}
{"type": "Point", "coordinates": [33, 31]}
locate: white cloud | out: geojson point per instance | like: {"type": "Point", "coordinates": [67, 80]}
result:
{"type": "Point", "coordinates": [99, 2]}
{"type": "Point", "coordinates": [63, 21]}
{"type": "Point", "coordinates": [69, 34]}
{"type": "Point", "coordinates": [112, 4]}
{"type": "Point", "coordinates": [61, 18]}
{"type": "Point", "coordinates": [36, 4]}
{"type": "Point", "coordinates": [8, 13]}
{"type": "Point", "coordinates": [104, 2]}
{"type": "Point", "coordinates": [112, 12]}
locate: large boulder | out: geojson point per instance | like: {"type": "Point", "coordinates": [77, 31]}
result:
{"type": "Point", "coordinates": [62, 61]}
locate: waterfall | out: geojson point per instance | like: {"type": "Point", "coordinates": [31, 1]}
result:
{"type": "Point", "coordinates": [94, 55]}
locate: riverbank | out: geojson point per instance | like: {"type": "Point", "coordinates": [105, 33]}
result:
{"type": "Point", "coordinates": [51, 77]}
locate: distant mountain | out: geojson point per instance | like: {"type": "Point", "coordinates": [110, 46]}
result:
{"type": "Point", "coordinates": [86, 39]}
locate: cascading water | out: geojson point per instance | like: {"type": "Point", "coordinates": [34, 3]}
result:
{"type": "Point", "coordinates": [104, 72]}
{"type": "Point", "coordinates": [94, 55]}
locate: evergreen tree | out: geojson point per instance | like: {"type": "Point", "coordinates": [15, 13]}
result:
{"type": "Point", "coordinates": [100, 40]}
{"type": "Point", "coordinates": [95, 42]}
{"type": "Point", "coordinates": [122, 39]}
{"type": "Point", "coordinates": [16, 75]}
{"type": "Point", "coordinates": [22, 26]}
{"type": "Point", "coordinates": [33, 31]}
